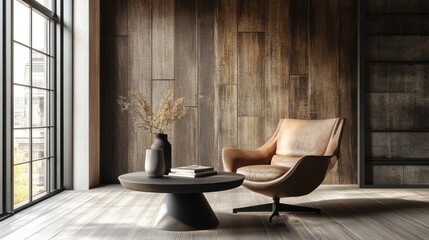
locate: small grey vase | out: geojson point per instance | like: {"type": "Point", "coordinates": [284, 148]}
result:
{"type": "Point", "coordinates": [154, 163]}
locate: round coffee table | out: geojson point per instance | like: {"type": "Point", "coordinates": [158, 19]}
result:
{"type": "Point", "coordinates": [184, 207]}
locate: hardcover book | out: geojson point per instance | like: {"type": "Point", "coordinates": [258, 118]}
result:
{"type": "Point", "coordinates": [192, 169]}
{"type": "Point", "coordinates": [192, 175]}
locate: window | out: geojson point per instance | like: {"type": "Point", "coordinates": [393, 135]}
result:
{"type": "Point", "coordinates": [32, 121]}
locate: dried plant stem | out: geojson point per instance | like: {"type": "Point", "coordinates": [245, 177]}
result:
{"type": "Point", "coordinates": [142, 113]}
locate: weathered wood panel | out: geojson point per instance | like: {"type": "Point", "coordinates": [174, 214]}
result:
{"type": "Point", "coordinates": [421, 114]}
{"type": "Point", "coordinates": [397, 25]}
{"type": "Point", "coordinates": [163, 39]}
{"type": "Point", "coordinates": [409, 144]}
{"type": "Point", "coordinates": [207, 148]}
{"type": "Point", "coordinates": [234, 59]}
{"type": "Point", "coordinates": [397, 144]}
{"type": "Point", "coordinates": [416, 174]}
{"type": "Point", "coordinates": [401, 111]}
{"type": "Point", "coordinates": [396, 78]}
{"type": "Point", "coordinates": [347, 168]}
{"type": "Point", "coordinates": [374, 118]}
{"type": "Point", "coordinates": [385, 48]}
{"type": "Point", "coordinates": [185, 51]}
{"type": "Point", "coordinates": [251, 15]}
{"type": "Point", "coordinates": [139, 75]}
{"type": "Point", "coordinates": [277, 52]}
{"type": "Point", "coordinates": [397, 7]}
{"type": "Point", "coordinates": [387, 175]}
{"type": "Point", "coordinates": [225, 120]}
{"type": "Point", "coordinates": [226, 41]}
{"type": "Point", "coordinates": [299, 97]}
{"type": "Point", "coordinates": [324, 64]}
{"type": "Point", "coordinates": [113, 18]}
{"type": "Point", "coordinates": [251, 74]}
{"type": "Point", "coordinates": [185, 146]}
{"type": "Point", "coordinates": [377, 145]}
{"type": "Point", "coordinates": [299, 13]}
{"type": "Point", "coordinates": [114, 73]}
{"type": "Point", "coordinates": [250, 132]}
{"type": "Point", "coordinates": [348, 3]}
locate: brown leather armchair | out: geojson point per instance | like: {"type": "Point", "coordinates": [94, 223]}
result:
{"type": "Point", "coordinates": [293, 162]}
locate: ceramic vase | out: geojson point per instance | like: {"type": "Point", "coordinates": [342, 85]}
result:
{"type": "Point", "coordinates": [161, 142]}
{"type": "Point", "coordinates": [154, 163]}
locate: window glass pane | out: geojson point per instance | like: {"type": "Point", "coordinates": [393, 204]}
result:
{"type": "Point", "coordinates": [52, 142]}
{"type": "Point", "coordinates": [39, 177]}
{"type": "Point", "coordinates": [21, 145]}
{"type": "Point", "coordinates": [21, 184]}
{"type": "Point", "coordinates": [40, 70]}
{"type": "Point", "coordinates": [46, 3]}
{"type": "Point", "coordinates": [40, 107]}
{"type": "Point", "coordinates": [51, 109]}
{"type": "Point", "coordinates": [21, 23]}
{"type": "Point", "coordinates": [40, 143]}
{"type": "Point", "coordinates": [52, 72]}
{"type": "Point", "coordinates": [21, 64]}
{"type": "Point", "coordinates": [21, 106]}
{"type": "Point", "coordinates": [40, 39]}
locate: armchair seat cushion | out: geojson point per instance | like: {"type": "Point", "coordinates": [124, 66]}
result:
{"type": "Point", "coordinates": [262, 173]}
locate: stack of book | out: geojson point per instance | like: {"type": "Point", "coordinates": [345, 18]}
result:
{"type": "Point", "coordinates": [192, 171]}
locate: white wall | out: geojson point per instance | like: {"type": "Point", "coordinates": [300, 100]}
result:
{"type": "Point", "coordinates": [86, 105]}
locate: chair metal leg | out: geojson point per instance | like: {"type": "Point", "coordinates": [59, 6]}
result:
{"type": "Point", "coordinates": [256, 208]}
{"type": "Point", "coordinates": [275, 208]}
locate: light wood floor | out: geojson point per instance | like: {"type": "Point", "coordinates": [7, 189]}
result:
{"type": "Point", "coordinates": [112, 212]}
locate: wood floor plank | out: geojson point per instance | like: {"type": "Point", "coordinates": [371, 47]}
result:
{"type": "Point", "coordinates": [112, 212]}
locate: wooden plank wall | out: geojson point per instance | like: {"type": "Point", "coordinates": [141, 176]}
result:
{"type": "Point", "coordinates": [241, 64]}
{"type": "Point", "coordinates": [397, 92]}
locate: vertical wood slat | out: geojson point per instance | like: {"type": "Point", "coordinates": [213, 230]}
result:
{"type": "Point", "coordinates": [251, 15]}
{"type": "Point", "coordinates": [115, 82]}
{"type": "Point", "coordinates": [251, 74]}
{"type": "Point", "coordinates": [163, 39]}
{"type": "Point", "coordinates": [348, 93]}
{"type": "Point", "coordinates": [226, 41]}
{"type": "Point", "coordinates": [324, 61]}
{"type": "Point", "coordinates": [277, 52]}
{"type": "Point", "coordinates": [299, 97]}
{"type": "Point", "coordinates": [185, 139]}
{"type": "Point", "coordinates": [225, 120]}
{"type": "Point", "coordinates": [250, 132]}
{"type": "Point", "coordinates": [139, 74]}
{"type": "Point", "coordinates": [185, 57]}
{"type": "Point", "coordinates": [207, 149]}
{"type": "Point", "coordinates": [113, 18]}
{"type": "Point", "coordinates": [299, 37]}
{"type": "Point", "coordinates": [324, 49]}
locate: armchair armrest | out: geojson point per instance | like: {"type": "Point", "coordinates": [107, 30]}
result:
{"type": "Point", "coordinates": [234, 158]}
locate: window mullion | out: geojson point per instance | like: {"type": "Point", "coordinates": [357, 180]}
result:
{"type": "Point", "coordinates": [30, 157]}
{"type": "Point", "coordinates": [2, 157]}
{"type": "Point", "coordinates": [42, 9]}
{"type": "Point", "coordinates": [8, 118]}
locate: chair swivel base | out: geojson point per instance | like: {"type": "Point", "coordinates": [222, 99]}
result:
{"type": "Point", "coordinates": [275, 208]}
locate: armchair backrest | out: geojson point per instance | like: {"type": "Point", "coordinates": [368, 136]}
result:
{"type": "Point", "coordinates": [308, 137]}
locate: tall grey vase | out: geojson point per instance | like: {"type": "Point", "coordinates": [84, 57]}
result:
{"type": "Point", "coordinates": [161, 142]}
{"type": "Point", "coordinates": [154, 163]}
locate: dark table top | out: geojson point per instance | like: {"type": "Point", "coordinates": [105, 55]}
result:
{"type": "Point", "coordinates": [170, 184]}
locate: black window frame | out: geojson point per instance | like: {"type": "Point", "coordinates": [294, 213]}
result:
{"type": "Point", "coordinates": [6, 100]}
